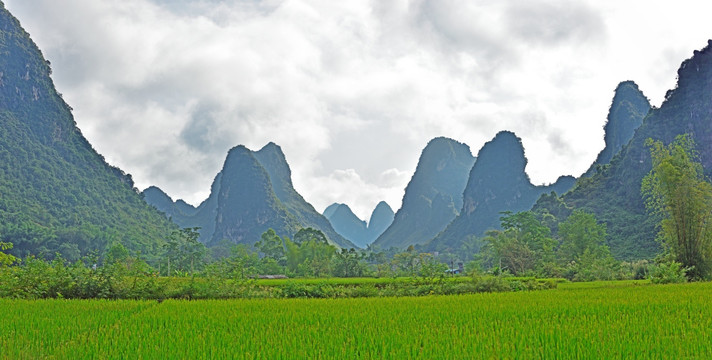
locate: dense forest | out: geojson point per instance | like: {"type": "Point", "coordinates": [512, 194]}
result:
{"type": "Point", "coordinates": [57, 195]}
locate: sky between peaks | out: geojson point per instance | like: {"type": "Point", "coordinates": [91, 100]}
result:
{"type": "Point", "coordinates": [351, 90]}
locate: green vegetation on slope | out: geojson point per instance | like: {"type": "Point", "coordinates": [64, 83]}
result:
{"type": "Point", "coordinates": [676, 190]}
{"type": "Point", "coordinates": [57, 195]}
{"type": "Point", "coordinates": [612, 193]}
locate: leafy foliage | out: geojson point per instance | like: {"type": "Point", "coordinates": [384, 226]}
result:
{"type": "Point", "coordinates": [613, 192]}
{"type": "Point", "coordinates": [6, 259]}
{"type": "Point", "coordinates": [57, 195]}
{"type": "Point", "coordinates": [522, 246]}
{"type": "Point", "coordinates": [675, 189]}
{"type": "Point", "coordinates": [581, 233]}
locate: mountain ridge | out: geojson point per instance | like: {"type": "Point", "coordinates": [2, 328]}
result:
{"type": "Point", "coordinates": [234, 214]}
{"type": "Point", "coordinates": [497, 182]}
{"type": "Point", "coordinates": [613, 194]}
{"type": "Point", "coordinates": [432, 197]}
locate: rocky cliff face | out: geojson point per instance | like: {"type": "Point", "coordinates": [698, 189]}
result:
{"type": "Point", "coordinates": [626, 114]}
{"type": "Point", "coordinates": [433, 196]}
{"type": "Point", "coordinates": [498, 182]}
{"type": "Point", "coordinates": [252, 193]}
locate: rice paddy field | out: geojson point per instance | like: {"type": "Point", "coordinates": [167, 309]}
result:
{"type": "Point", "coordinates": [576, 321]}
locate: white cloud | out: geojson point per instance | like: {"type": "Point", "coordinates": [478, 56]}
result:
{"type": "Point", "coordinates": [164, 88]}
{"type": "Point", "coordinates": [361, 196]}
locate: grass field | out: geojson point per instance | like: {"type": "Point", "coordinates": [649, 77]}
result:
{"type": "Point", "coordinates": [589, 320]}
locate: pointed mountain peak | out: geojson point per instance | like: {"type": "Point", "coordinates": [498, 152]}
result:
{"type": "Point", "coordinates": [693, 76]}
{"type": "Point", "coordinates": [433, 195]}
{"type": "Point", "coordinates": [504, 152]}
{"type": "Point", "coordinates": [345, 210]}
{"type": "Point", "coordinates": [236, 153]}
{"type": "Point", "coordinates": [442, 146]}
{"type": "Point", "coordinates": [383, 206]}
{"type": "Point", "coordinates": [158, 198]}
{"type": "Point", "coordinates": [329, 211]}
{"type": "Point", "coordinates": [381, 212]}
{"type": "Point", "coordinates": [273, 150]}
{"type": "Point", "coordinates": [628, 108]}
{"type": "Point", "coordinates": [156, 190]}
{"type": "Point", "coordinates": [271, 146]}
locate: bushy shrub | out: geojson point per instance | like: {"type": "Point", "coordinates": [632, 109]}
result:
{"type": "Point", "coordinates": [669, 273]}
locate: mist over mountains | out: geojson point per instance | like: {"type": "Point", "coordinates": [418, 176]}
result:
{"type": "Point", "coordinates": [59, 196]}
{"type": "Point", "coordinates": [363, 234]}
{"type": "Point", "coordinates": [251, 194]}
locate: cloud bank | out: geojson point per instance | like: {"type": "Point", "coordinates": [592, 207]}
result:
{"type": "Point", "coordinates": [351, 90]}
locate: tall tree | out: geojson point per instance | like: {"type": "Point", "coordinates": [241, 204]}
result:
{"type": "Point", "coordinates": [579, 233]}
{"type": "Point", "coordinates": [676, 190]}
{"type": "Point", "coordinates": [522, 245]}
{"type": "Point", "coordinates": [184, 251]}
{"type": "Point", "coordinates": [271, 245]}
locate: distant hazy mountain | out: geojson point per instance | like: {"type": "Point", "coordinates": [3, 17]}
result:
{"type": "Point", "coordinates": [613, 194]}
{"type": "Point", "coordinates": [251, 194]}
{"type": "Point", "coordinates": [626, 114]}
{"type": "Point", "coordinates": [381, 218]}
{"type": "Point", "coordinates": [433, 196]}
{"type": "Point", "coordinates": [498, 182]}
{"type": "Point", "coordinates": [57, 195]}
{"type": "Point", "coordinates": [348, 225]}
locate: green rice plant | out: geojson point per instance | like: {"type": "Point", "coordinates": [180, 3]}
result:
{"type": "Point", "coordinates": [599, 320]}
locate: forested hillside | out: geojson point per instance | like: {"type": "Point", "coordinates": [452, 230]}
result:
{"type": "Point", "coordinates": [613, 192]}
{"type": "Point", "coordinates": [57, 195]}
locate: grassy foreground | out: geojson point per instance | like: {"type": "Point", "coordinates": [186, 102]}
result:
{"type": "Point", "coordinates": [595, 320]}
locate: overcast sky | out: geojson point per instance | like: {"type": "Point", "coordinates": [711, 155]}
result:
{"type": "Point", "coordinates": [351, 90]}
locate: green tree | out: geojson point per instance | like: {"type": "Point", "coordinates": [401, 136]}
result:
{"type": "Point", "coordinates": [348, 263]}
{"type": "Point", "coordinates": [306, 234]}
{"type": "Point", "coordinates": [317, 255]}
{"type": "Point", "coordinates": [271, 245]}
{"type": "Point", "coordinates": [523, 245]}
{"type": "Point", "coordinates": [581, 232]}
{"type": "Point", "coordinates": [184, 251]}
{"type": "Point", "coordinates": [406, 262]}
{"type": "Point", "coordinates": [675, 190]}
{"type": "Point", "coordinates": [430, 267]}
{"type": "Point", "coordinates": [116, 253]}
{"type": "Point", "coordinates": [6, 259]}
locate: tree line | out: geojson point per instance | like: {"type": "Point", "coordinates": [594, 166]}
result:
{"type": "Point", "coordinates": [529, 243]}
